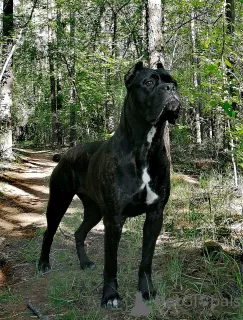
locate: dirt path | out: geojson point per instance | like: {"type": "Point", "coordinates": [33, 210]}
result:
{"type": "Point", "coordinates": [68, 293]}
{"type": "Point", "coordinates": [23, 197]}
{"type": "Point", "coordinates": [23, 194]}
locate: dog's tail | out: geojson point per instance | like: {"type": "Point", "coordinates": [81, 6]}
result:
{"type": "Point", "coordinates": [56, 157]}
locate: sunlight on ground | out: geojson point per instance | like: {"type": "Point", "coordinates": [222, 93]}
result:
{"type": "Point", "coordinates": [43, 189]}
{"type": "Point", "coordinates": [24, 193]}
{"type": "Point", "coordinates": [10, 190]}
{"type": "Point", "coordinates": [28, 175]}
{"type": "Point", "coordinates": [30, 218]}
{"type": "Point", "coordinates": [5, 225]}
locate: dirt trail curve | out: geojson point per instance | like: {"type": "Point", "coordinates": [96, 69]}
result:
{"type": "Point", "coordinates": [23, 193]}
{"type": "Point", "coordinates": [23, 197]}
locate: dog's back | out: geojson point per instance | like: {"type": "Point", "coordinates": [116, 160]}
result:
{"type": "Point", "coordinates": [75, 159]}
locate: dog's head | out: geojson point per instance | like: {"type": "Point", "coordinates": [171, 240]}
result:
{"type": "Point", "coordinates": [154, 93]}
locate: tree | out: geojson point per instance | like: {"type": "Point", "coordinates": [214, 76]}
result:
{"type": "Point", "coordinates": [154, 33]}
{"type": "Point", "coordinates": [73, 129]}
{"type": "Point", "coordinates": [155, 48]}
{"type": "Point", "coordinates": [195, 77]}
{"type": "Point", "coordinates": [230, 22]}
{"type": "Point", "coordinates": [195, 39]}
{"type": "Point", "coordinates": [6, 82]}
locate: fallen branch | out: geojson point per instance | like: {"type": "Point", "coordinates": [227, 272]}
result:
{"type": "Point", "coordinates": [35, 311]}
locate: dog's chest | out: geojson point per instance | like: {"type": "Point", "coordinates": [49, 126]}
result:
{"type": "Point", "coordinates": [151, 196]}
{"type": "Point", "coordinates": [147, 179]}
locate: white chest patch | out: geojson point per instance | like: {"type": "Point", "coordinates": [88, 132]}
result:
{"type": "Point", "coordinates": [151, 196]}
{"type": "Point", "coordinates": [151, 134]}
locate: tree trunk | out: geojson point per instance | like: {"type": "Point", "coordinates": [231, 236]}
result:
{"type": "Point", "coordinates": [59, 97]}
{"type": "Point", "coordinates": [154, 32]}
{"type": "Point", "coordinates": [54, 120]}
{"type": "Point", "coordinates": [196, 80]}
{"type": "Point", "coordinates": [155, 49]}
{"type": "Point", "coordinates": [108, 41]}
{"type": "Point", "coordinates": [230, 22]}
{"type": "Point", "coordinates": [6, 83]}
{"type": "Point", "coordinates": [55, 126]}
{"type": "Point", "coordinates": [72, 100]}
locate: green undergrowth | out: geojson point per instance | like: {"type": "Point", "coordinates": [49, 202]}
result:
{"type": "Point", "coordinates": [190, 284]}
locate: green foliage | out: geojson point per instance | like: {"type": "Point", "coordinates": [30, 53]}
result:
{"type": "Point", "coordinates": [227, 107]}
{"type": "Point", "coordinates": [92, 51]}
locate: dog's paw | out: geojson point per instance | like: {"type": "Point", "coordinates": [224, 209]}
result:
{"type": "Point", "coordinates": [44, 267]}
{"type": "Point", "coordinates": [146, 288]}
{"type": "Point", "coordinates": [148, 295]}
{"type": "Point", "coordinates": [112, 303]}
{"type": "Point", "coordinates": [88, 265]}
{"type": "Point", "coordinates": [110, 298]}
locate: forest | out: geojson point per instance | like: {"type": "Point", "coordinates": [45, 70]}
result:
{"type": "Point", "coordinates": [62, 83]}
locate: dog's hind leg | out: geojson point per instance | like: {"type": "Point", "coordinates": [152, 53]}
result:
{"type": "Point", "coordinates": [56, 208]}
{"type": "Point", "coordinates": [92, 216]}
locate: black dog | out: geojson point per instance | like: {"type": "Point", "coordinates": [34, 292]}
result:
{"type": "Point", "coordinates": [122, 177]}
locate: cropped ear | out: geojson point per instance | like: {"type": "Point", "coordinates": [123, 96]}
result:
{"type": "Point", "coordinates": [130, 75]}
{"type": "Point", "coordinates": [160, 65]}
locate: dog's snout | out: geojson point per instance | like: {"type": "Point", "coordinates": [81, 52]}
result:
{"type": "Point", "coordinates": [168, 87]}
{"type": "Point", "coordinates": [175, 105]}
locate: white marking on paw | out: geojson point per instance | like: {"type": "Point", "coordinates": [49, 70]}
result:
{"type": "Point", "coordinates": [151, 134]}
{"type": "Point", "coordinates": [109, 303]}
{"type": "Point", "coordinates": [151, 196]}
{"type": "Point", "coordinates": [115, 303]}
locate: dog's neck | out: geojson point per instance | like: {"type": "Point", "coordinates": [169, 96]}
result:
{"type": "Point", "coordinates": [134, 134]}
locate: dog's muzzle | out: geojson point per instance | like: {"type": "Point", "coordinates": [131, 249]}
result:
{"type": "Point", "coordinates": [172, 110]}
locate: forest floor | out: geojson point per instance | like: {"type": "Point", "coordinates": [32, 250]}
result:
{"type": "Point", "coordinates": [192, 281]}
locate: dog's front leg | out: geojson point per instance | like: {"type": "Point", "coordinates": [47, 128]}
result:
{"type": "Point", "coordinates": [113, 230]}
{"type": "Point", "coordinates": [151, 231]}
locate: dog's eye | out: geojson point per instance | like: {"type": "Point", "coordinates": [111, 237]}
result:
{"type": "Point", "coordinates": [149, 83]}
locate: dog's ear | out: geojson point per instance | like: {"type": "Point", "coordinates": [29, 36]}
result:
{"type": "Point", "coordinates": [130, 75]}
{"type": "Point", "coordinates": [160, 65]}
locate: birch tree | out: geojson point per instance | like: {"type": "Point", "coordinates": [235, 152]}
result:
{"type": "Point", "coordinates": [154, 33]}
{"type": "Point", "coordinates": [195, 77]}
{"type": "Point", "coordinates": [6, 82]}
{"type": "Point", "coordinates": [73, 128]}
{"type": "Point", "coordinates": [155, 48]}
{"type": "Point", "coordinates": [230, 21]}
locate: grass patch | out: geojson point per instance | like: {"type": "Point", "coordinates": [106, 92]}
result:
{"type": "Point", "coordinates": [7, 297]}
{"type": "Point", "coordinates": [190, 284]}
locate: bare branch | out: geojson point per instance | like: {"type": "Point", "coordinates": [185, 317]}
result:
{"type": "Point", "coordinates": [31, 14]}
{"type": "Point", "coordinates": [17, 41]}
{"type": "Point", "coordinates": [189, 20]}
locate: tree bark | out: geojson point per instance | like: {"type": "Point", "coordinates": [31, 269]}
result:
{"type": "Point", "coordinates": [230, 22]}
{"type": "Point", "coordinates": [55, 125]}
{"type": "Point", "coordinates": [196, 80]}
{"type": "Point", "coordinates": [108, 42]}
{"type": "Point", "coordinates": [155, 49]}
{"type": "Point", "coordinates": [54, 119]}
{"type": "Point", "coordinates": [72, 100]}
{"type": "Point", "coordinates": [154, 33]}
{"type": "Point", "coordinates": [6, 83]}
{"type": "Point", "coordinates": [59, 97]}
